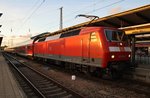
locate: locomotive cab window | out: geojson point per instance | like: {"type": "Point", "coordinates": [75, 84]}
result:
{"type": "Point", "coordinates": [115, 35]}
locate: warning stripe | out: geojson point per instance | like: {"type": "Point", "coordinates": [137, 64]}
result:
{"type": "Point", "coordinates": [114, 49]}
{"type": "Point", "coordinates": [119, 49]}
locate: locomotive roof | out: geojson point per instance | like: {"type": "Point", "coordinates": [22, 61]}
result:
{"type": "Point", "coordinates": [40, 35]}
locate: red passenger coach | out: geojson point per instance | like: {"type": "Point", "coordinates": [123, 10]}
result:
{"type": "Point", "coordinates": [24, 48]}
{"type": "Point", "coordinates": [101, 49]}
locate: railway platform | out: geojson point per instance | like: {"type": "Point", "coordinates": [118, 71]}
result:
{"type": "Point", "coordinates": [140, 73]}
{"type": "Point", "coordinates": [8, 85]}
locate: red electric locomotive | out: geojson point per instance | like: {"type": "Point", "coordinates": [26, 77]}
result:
{"type": "Point", "coordinates": [102, 50]}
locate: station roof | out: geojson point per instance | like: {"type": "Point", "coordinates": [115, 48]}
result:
{"type": "Point", "coordinates": [137, 29]}
{"type": "Point", "coordinates": [1, 14]}
{"type": "Point", "coordinates": [1, 40]}
{"type": "Point", "coordinates": [137, 16]}
{"type": "Point", "coordinates": [1, 26]}
{"type": "Point", "coordinates": [132, 17]}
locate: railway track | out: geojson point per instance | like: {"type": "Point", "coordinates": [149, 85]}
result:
{"type": "Point", "coordinates": [38, 85]}
{"type": "Point", "coordinates": [129, 85]}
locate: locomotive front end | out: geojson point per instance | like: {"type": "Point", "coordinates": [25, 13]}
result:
{"type": "Point", "coordinates": [117, 56]}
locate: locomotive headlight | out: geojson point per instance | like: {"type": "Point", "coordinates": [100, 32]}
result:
{"type": "Point", "coordinates": [112, 56]}
{"type": "Point", "coordinates": [129, 55]}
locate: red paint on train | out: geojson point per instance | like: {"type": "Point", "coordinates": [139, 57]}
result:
{"type": "Point", "coordinates": [101, 47]}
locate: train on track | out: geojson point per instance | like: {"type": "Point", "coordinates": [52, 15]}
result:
{"type": "Point", "coordinates": [101, 50]}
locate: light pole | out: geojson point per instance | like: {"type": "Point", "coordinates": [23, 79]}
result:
{"type": "Point", "coordinates": [61, 18]}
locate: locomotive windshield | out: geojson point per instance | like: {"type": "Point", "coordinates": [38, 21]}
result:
{"type": "Point", "coordinates": [115, 35]}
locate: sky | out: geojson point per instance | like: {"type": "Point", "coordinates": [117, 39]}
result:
{"type": "Point", "coordinates": [25, 18]}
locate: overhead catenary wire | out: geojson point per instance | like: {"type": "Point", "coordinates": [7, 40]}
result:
{"type": "Point", "coordinates": [105, 6]}
{"type": "Point", "coordinates": [23, 19]}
